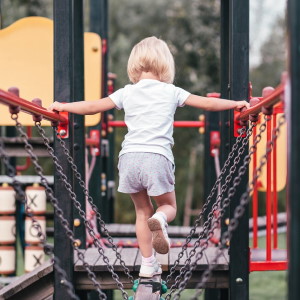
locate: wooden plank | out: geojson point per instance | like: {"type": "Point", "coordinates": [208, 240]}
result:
{"type": "Point", "coordinates": [173, 256]}
{"type": "Point", "coordinates": [26, 280]}
{"type": "Point", "coordinates": [82, 282]}
{"type": "Point", "coordinates": [148, 289]}
{"type": "Point", "coordinates": [211, 253]}
{"type": "Point", "coordinates": [260, 255]}
{"type": "Point", "coordinates": [202, 263]}
{"type": "Point", "coordinates": [100, 265]}
{"type": "Point", "coordinates": [91, 257]}
{"type": "Point", "coordinates": [129, 255]}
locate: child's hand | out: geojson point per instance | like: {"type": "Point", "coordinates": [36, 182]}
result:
{"type": "Point", "coordinates": [56, 106]}
{"type": "Point", "coordinates": [240, 105]}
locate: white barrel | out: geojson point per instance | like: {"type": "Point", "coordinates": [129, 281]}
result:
{"type": "Point", "coordinates": [36, 198]}
{"type": "Point", "coordinates": [31, 233]}
{"type": "Point", "coordinates": [7, 260]}
{"type": "Point", "coordinates": [34, 257]}
{"type": "Point", "coordinates": [7, 199]}
{"type": "Point", "coordinates": [7, 230]}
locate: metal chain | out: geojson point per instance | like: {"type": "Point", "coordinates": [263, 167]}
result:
{"type": "Point", "coordinates": [240, 209]}
{"type": "Point", "coordinates": [48, 249]}
{"type": "Point", "coordinates": [206, 203]}
{"type": "Point", "coordinates": [91, 201]}
{"type": "Point", "coordinates": [65, 224]}
{"type": "Point", "coordinates": [188, 268]}
{"type": "Point", "coordinates": [78, 206]}
{"type": "Point", "coordinates": [215, 206]}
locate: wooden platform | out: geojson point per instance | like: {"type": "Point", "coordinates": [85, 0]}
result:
{"type": "Point", "coordinates": [132, 259]}
{"type": "Point", "coordinates": [38, 285]}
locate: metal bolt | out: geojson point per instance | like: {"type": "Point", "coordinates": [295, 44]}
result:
{"type": "Point", "coordinates": [227, 221]}
{"type": "Point", "coordinates": [77, 243]}
{"type": "Point", "coordinates": [62, 281]}
{"type": "Point", "coordinates": [76, 222]}
{"type": "Point", "coordinates": [239, 280]}
{"type": "Point", "coordinates": [62, 132]}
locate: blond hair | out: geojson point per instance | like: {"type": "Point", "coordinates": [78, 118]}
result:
{"type": "Point", "coordinates": [151, 55]}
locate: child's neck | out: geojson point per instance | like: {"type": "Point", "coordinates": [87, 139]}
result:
{"type": "Point", "coordinates": [148, 75]}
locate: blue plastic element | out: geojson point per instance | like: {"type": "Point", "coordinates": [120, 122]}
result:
{"type": "Point", "coordinates": [164, 288]}
{"type": "Point", "coordinates": [130, 298]}
{"type": "Point", "coordinates": [135, 286]}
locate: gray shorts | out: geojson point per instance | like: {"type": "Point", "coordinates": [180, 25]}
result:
{"type": "Point", "coordinates": [145, 171]}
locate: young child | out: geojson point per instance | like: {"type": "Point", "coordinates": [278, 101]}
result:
{"type": "Point", "coordinates": [146, 163]}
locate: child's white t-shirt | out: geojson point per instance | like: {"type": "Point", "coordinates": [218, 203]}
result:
{"type": "Point", "coordinates": [149, 107]}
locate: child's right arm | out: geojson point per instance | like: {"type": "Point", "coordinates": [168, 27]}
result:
{"type": "Point", "coordinates": [84, 107]}
{"type": "Point", "coordinates": [215, 104]}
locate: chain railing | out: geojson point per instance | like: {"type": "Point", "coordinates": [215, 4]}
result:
{"type": "Point", "coordinates": [217, 203]}
{"type": "Point", "coordinates": [48, 249]}
{"type": "Point", "coordinates": [240, 209]}
{"type": "Point", "coordinates": [212, 222]}
{"type": "Point", "coordinates": [88, 197]}
{"type": "Point", "coordinates": [197, 222]}
{"type": "Point", "coordinates": [78, 206]}
{"type": "Point", "coordinates": [65, 224]}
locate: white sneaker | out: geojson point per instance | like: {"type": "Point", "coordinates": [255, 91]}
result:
{"type": "Point", "coordinates": [160, 239]}
{"type": "Point", "coordinates": [150, 271]}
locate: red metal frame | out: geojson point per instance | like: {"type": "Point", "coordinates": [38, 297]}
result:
{"type": "Point", "coordinates": [271, 189]}
{"type": "Point", "coordinates": [268, 266]}
{"type": "Point", "coordinates": [268, 101]}
{"type": "Point", "coordinates": [31, 108]}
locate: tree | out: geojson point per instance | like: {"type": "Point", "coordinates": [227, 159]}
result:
{"type": "Point", "coordinates": [273, 59]}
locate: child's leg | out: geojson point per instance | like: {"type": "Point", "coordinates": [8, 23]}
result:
{"type": "Point", "coordinates": [144, 210]}
{"type": "Point", "coordinates": [166, 203]}
{"type": "Point", "coordinates": [165, 212]}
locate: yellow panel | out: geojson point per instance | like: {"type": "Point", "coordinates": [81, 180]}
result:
{"type": "Point", "coordinates": [281, 159]}
{"type": "Point", "coordinates": [26, 59]}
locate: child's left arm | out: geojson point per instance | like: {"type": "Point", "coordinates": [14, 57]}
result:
{"type": "Point", "coordinates": [84, 107]}
{"type": "Point", "coordinates": [215, 104]}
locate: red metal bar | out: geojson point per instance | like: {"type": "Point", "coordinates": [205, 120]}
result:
{"type": "Point", "coordinates": [195, 124]}
{"type": "Point", "coordinates": [269, 195]}
{"type": "Point", "coordinates": [267, 101]}
{"type": "Point", "coordinates": [268, 266]}
{"type": "Point", "coordinates": [29, 107]}
{"type": "Point", "coordinates": [254, 197]}
{"type": "Point", "coordinates": [275, 233]}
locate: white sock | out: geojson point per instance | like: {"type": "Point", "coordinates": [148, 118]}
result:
{"type": "Point", "coordinates": [162, 215]}
{"type": "Point", "coordinates": [148, 261]}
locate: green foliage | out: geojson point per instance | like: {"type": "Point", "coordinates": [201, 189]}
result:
{"type": "Point", "coordinates": [273, 59]}
{"type": "Point", "coordinates": [13, 10]}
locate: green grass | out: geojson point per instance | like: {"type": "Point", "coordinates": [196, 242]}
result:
{"type": "Point", "coordinates": [269, 284]}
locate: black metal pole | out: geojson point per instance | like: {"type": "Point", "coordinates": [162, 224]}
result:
{"type": "Point", "coordinates": [224, 116]}
{"type": "Point", "coordinates": [63, 91]}
{"type": "Point", "coordinates": [293, 153]}
{"type": "Point", "coordinates": [99, 25]}
{"type": "Point", "coordinates": [238, 90]}
{"type": "Point", "coordinates": [79, 130]}
{"type": "Point", "coordinates": [211, 124]}
{"type": "Point", "coordinates": [104, 164]}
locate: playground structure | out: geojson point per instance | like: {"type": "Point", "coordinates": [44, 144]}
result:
{"type": "Point", "coordinates": [231, 274]}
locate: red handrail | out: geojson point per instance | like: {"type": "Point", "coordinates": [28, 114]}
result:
{"type": "Point", "coordinates": [29, 107]}
{"type": "Point", "coordinates": [268, 101]}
